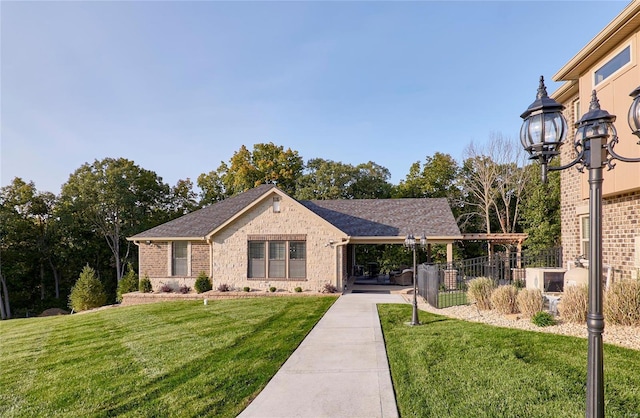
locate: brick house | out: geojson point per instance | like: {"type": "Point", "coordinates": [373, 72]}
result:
{"type": "Point", "coordinates": [263, 237]}
{"type": "Point", "coordinates": [610, 65]}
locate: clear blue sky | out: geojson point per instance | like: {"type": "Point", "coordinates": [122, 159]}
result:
{"type": "Point", "coordinates": [177, 87]}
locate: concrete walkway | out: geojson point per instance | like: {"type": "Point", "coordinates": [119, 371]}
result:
{"type": "Point", "coordinates": [339, 370]}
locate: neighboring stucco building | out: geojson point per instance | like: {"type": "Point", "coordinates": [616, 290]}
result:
{"type": "Point", "coordinates": [263, 237]}
{"type": "Point", "coordinates": [608, 64]}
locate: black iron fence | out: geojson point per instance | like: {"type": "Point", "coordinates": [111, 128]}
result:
{"type": "Point", "coordinates": [503, 268]}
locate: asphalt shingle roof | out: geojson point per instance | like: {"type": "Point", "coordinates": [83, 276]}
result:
{"type": "Point", "coordinates": [201, 222]}
{"type": "Point", "coordinates": [388, 217]}
{"type": "Point", "coordinates": [356, 218]}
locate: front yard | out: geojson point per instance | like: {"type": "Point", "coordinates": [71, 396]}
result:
{"type": "Point", "coordinates": [452, 368]}
{"type": "Point", "coordinates": [163, 359]}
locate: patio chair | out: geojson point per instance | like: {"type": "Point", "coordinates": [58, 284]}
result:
{"type": "Point", "coordinates": [403, 279]}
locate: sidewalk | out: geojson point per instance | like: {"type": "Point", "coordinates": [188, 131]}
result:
{"type": "Point", "coordinates": [339, 370]}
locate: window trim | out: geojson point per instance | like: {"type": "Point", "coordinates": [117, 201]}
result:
{"type": "Point", "coordinates": [267, 241]}
{"type": "Point", "coordinates": [584, 240]}
{"type": "Point", "coordinates": [187, 259]}
{"type": "Point", "coordinates": [618, 70]}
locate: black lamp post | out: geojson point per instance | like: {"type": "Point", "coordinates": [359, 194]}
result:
{"type": "Point", "coordinates": [543, 132]}
{"type": "Point", "coordinates": [411, 242]}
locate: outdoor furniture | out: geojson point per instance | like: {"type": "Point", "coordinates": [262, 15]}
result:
{"type": "Point", "coordinates": [403, 279]}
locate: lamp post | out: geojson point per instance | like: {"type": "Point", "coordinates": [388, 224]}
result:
{"type": "Point", "coordinates": [543, 132]}
{"type": "Point", "coordinates": [411, 242]}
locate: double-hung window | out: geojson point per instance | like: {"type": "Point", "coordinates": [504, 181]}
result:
{"type": "Point", "coordinates": [280, 257]}
{"type": "Point", "coordinates": [179, 258]}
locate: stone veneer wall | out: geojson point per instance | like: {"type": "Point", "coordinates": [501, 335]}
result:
{"type": "Point", "coordinates": [230, 247]}
{"type": "Point", "coordinates": [620, 214]}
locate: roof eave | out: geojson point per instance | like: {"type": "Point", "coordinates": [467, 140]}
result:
{"type": "Point", "coordinates": [618, 29]}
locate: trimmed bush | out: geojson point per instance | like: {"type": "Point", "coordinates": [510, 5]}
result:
{"type": "Point", "coordinates": [223, 287]}
{"type": "Point", "coordinates": [246, 289]}
{"type": "Point", "coordinates": [573, 305]}
{"type": "Point", "coordinates": [530, 302]}
{"type": "Point", "coordinates": [165, 288]}
{"type": "Point", "coordinates": [297, 289]}
{"type": "Point", "coordinates": [144, 286]}
{"type": "Point", "coordinates": [203, 284]}
{"type": "Point", "coordinates": [88, 292]}
{"type": "Point", "coordinates": [543, 319]}
{"type": "Point", "coordinates": [272, 289]}
{"type": "Point", "coordinates": [622, 303]}
{"type": "Point", "coordinates": [329, 288]}
{"type": "Point", "coordinates": [128, 283]}
{"type": "Point", "coordinates": [184, 289]}
{"type": "Point", "coordinates": [479, 291]}
{"type": "Point", "coordinates": [503, 299]}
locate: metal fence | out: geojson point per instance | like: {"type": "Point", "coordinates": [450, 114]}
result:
{"type": "Point", "coordinates": [444, 285]}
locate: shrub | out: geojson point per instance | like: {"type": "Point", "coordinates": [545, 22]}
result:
{"type": "Point", "coordinates": [503, 299]}
{"type": "Point", "coordinates": [88, 292]}
{"type": "Point", "coordinates": [297, 289]}
{"type": "Point", "coordinates": [573, 305]}
{"type": "Point", "coordinates": [519, 283]}
{"type": "Point", "coordinates": [165, 288]}
{"type": "Point", "coordinates": [329, 288]}
{"type": "Point", "coordinates": [203, 284]}
{"type": "Point", "coordinates": [622, 303]}
{"type": "Point", "coordinates": [543, 319]}
{"type": "Point", "coordinates": [530, 302]}
{"type": "Point", "coordinates": [128, 283]}
{"type": "Point", "coordinates": [223, 287]}
{"type": "Point", "coordinates": [480, 292]}
{"type": "Point", "coordinates": [184, 289]}
{"type": "Point", "coordinates": [246, 289]}
{"type": "Point", "coordinates": [144, 285]}
{"type": "Point", "coordinates": [272, 289]}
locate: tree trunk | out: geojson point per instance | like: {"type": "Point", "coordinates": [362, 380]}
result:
{"type": "Point", "coordinates": [4, 299]}
{"type": "Point", "coordinates": [56, 278]}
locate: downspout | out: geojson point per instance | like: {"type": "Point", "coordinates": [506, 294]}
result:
{"type": "Point", "coordinates": [137, 244]}
{"type": "Point", "coordinates": [338, 264]}
{"type": "Point", "coordinates": [208, 240]}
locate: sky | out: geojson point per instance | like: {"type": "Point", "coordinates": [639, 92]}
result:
{"type": "Point", "coordinates": [178, 87]}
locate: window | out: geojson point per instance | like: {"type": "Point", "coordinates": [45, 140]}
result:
{"type": "Point", "coordinates": [576, 111]}
{"type": "Point", "coordinates": [584, 236]}
{"type": "Point", "coordinates": [179, 258]}
{"type": "Point", "coordinates": [297, 259]}
{"type": "Point", "coordinates": [277, 257]}
{"type": "Point", "coordinates": [276, 204]}
{"type": "Point", "coordinates": [257, 260]}
{"type": "Point", "coordinates": [613, 65]}
{"type": "Point", "coordinates": [277, 262]}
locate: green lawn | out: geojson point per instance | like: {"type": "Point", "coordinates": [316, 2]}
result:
{"type": "Point", "coordinates": [452, 368]}
{"type": "Point", "coordinates": [163, 359]}
{"type": "Point", "coordinates": [452, 298]}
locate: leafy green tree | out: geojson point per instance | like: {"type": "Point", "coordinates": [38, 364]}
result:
{"type": "Point", "coordinates": [182, 199]}
{"type": "Point", "coordinates": [211, 186]}
{"type": "Point", "coordinates": [129, 283]}
{"type": "Point", "coordinates": [115, 198]}
{"type": "Point", "coordinates": [88, 292]}
{"type": "Point", "coordinates": [327, 179]}
{"type": "Point", "coordinates": [267, 163]}
{"type": "Point", "coordinates": [541, 211]}
{"type": "Point", "coordinates": [438, 177]}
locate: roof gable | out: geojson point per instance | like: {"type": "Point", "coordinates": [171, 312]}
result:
{"type": "Point", "coordinates": [200, 223]}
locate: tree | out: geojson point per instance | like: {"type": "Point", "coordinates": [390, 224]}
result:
{"type": "Point", "coordinates": [493, 181]}
{"type": "Point", "coordinates": [88, 292]}
{"type": "Point", "coordinates": [268, 163]}
{"type": "Point", "coordinates": [182, 199]}
{"type": "Point", "coordinates": [436, 178]}
{"type": "Point", "coordinates": [115, 198]}
{"type": "Point", "coordinates": [327, 179]}
{"type": "Point", "coordinates": [541, 211]}
{"type": "Point", "coordinates": [211, 186]}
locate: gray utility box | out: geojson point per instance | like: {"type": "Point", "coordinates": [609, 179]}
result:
{"type": "Point", "coordinates": [545, 279]}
